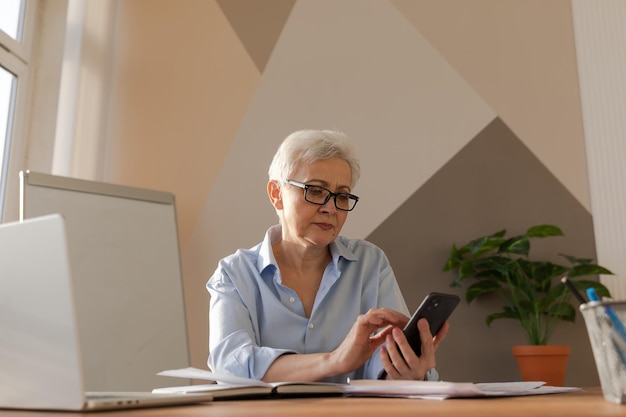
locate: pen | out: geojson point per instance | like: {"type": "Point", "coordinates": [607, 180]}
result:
{"type": "Point", "coordinates": [618, 331]}
{"type": "Point", "coordinates": [615, 321]}
{"type": "Point", "coordinates": [573, 289]}
{"type": "Point", "coordinates": [593, 296]}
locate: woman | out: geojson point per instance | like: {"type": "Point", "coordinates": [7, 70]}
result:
{"type": "Point", "coordinates": [305, 303]}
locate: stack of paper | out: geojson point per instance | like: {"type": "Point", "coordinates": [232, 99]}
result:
{"type": "Point", "coordinates": [443, 389]}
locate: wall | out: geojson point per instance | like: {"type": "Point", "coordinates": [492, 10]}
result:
{"type": "Point", "coordinates": [466, 114]}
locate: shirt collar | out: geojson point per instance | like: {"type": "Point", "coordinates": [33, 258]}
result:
{"type": "Point", "coordinates": [266, 254]}
{"type": "Point", "coordinates": [338, 249]}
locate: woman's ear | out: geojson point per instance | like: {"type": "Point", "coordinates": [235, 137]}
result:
{"type": "Point", "coordinates": [275, 194]}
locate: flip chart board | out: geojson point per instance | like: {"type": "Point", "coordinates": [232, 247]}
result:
{"type": "Point", "coordinates": [125, 261]}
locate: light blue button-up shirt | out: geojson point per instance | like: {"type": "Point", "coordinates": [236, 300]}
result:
{"type": "Point", "coordinates": [254, 318]}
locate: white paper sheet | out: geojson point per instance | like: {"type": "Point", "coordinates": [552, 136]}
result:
{"type": "Point", "coordinates": [443, 389]}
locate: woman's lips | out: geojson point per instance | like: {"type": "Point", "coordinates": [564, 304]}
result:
{"type": "Point", "coordinates": [325, 226]}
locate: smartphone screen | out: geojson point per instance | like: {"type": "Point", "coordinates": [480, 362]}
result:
{"type": "Point", "coordinates": [436, 308]}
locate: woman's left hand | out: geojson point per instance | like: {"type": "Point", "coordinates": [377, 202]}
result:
{"type": "Point", "coordinates": [399, 359]}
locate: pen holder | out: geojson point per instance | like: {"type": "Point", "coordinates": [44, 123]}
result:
{"type": "Point", "coordinates": [605, 325]}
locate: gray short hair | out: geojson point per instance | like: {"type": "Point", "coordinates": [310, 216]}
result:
{"type": "Point", "coordinates": [310, 146]}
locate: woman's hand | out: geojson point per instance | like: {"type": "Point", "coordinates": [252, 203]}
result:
{"type": "Point", "coordinates": [399, 359]}
{"type": "Point", "coordinates": [359, 344]}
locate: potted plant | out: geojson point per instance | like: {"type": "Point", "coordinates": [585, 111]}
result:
{"type": "Point", "coordinates": [531, 290]}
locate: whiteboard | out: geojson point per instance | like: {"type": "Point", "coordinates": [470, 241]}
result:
{"type": "Point", "coordinates": [125, 260]}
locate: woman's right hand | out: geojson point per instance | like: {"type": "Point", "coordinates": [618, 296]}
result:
{"type": "Point", "coordinates": [360, 344]}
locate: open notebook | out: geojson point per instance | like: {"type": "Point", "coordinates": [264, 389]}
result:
{"type": "Point", "coordinates": [40, 356]}
{"type": "Point", "coordinates": [226, 386]}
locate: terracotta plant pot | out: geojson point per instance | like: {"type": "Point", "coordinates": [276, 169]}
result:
{"type": "Point", "coordinates": [542, 363]}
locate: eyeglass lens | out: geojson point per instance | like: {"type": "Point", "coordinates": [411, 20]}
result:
{"type": "Point", "coordinates": [319, 195]}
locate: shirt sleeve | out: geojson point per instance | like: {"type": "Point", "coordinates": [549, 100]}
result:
{"type": "Point", "coordinates": [233, 344]}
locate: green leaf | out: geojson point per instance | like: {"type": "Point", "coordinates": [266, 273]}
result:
{"type": "Point", "coordinates": [503, 315]}
{"type": "Point", "coordinates": [484, 244]}
{"type": "Point", "coordinates": [492, 275]}
{"type": "Point", "coordinates": [520, 284]}
{"type": "Point", "coordinates": [457, 280]}
{"type": "Point", "coordinates": [562, 311]}
{"type": "Point", "coordinates": [466, 269]}
{"type": "Point", "coordinates": [524, 307]}
{"type": "Point", "coordinates": [601, 290]}
{"type": "Point", "coordinates": [541, 273]}
{"type": "Point", "coordinates": [476, 244]}
{"type": "Point", "coordinates": [518, 245]}
{"type": "Point", "coordinates": [558, 292]}
{"type": "Point", "coordinates": [481, 288]}
{"type": "Point", "coordinates": [544, 230]}
{"type": "Point", "coordinates": [499, 264]}
{"type": "Point", "coordinates": [588, 269]}
{"type": "Point", "coordinates": [576, 261]}
{"type": "Point", "coordinates": [456, 257]}
{"type": "Point", "coordinates": [450, 265]}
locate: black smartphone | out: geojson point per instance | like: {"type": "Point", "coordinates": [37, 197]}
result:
{"type": "Point", "coordinates": [436, 308]}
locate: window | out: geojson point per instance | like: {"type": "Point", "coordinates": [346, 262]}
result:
{"type": "Point", "coordinates": [8, 83]}
{"type": "Point", "coordinates": [12, 18]}
{"type": "Point", "coordinates": [13, 68]}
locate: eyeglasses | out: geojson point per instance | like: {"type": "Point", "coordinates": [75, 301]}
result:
{"type": "Point", "coordinates": [320, 196]}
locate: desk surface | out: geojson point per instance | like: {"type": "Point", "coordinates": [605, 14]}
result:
{"type": "Point", "coordinates": [588, 402]}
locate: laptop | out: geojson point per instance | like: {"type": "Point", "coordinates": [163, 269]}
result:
{"type": "Point", "coordinates": [40, 356]}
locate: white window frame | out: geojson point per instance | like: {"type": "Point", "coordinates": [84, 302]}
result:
{"type": "Point", "coordinates": [23, 48]}
{"type": "Point", "coordinates": [15, 57]}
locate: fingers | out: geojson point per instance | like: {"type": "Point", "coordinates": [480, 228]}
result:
{"type": "Point", "coordinates": [387, 364]}
{"type": "Point", "coordinates": [384, 316]}
{"type": "Point", "coordinates": [393, 358]}
{"type": "Point", "coordinates": [442, 334]}
{"type": "Point", "coordinates": [401, 354]}
{"type": "Point", "coordinates": [399, 359]}
{"type": "Point", "coordinates": [428, 345]}
{"type": "Point", "coordinates": [361, 342]}
{"type": "Point", "coordinates": [377, 318]}
{"type": "Point", "coordinates": [381, 336]}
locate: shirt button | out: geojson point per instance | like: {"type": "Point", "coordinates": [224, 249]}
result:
{"type": "Point", "coordinates": [311, 325]}
{"type": "Point", "coordinates": [292, 300]}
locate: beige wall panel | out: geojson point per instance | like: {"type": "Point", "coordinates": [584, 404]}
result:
{"type": "Point", "coordinates": [520, 57]}
{"type": "Point", "coordinates": [182, 82]}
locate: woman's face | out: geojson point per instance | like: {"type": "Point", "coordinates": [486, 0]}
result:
{"type": "Point", "coordinates": [309, 224]}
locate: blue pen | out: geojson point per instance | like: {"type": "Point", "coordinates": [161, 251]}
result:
{"type": "Point", "coordinates": [619, 331]}
{"type": "Point", "coordinates": [617, 323]}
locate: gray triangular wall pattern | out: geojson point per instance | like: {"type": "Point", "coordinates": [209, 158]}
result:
{"type": "Point", "coordinates": [494, 182]}
{"type": "Point", "coordinates": [258, 25]}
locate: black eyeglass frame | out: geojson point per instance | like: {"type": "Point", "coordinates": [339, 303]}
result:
{"type": "Point", "coordinates": [306, 187]}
